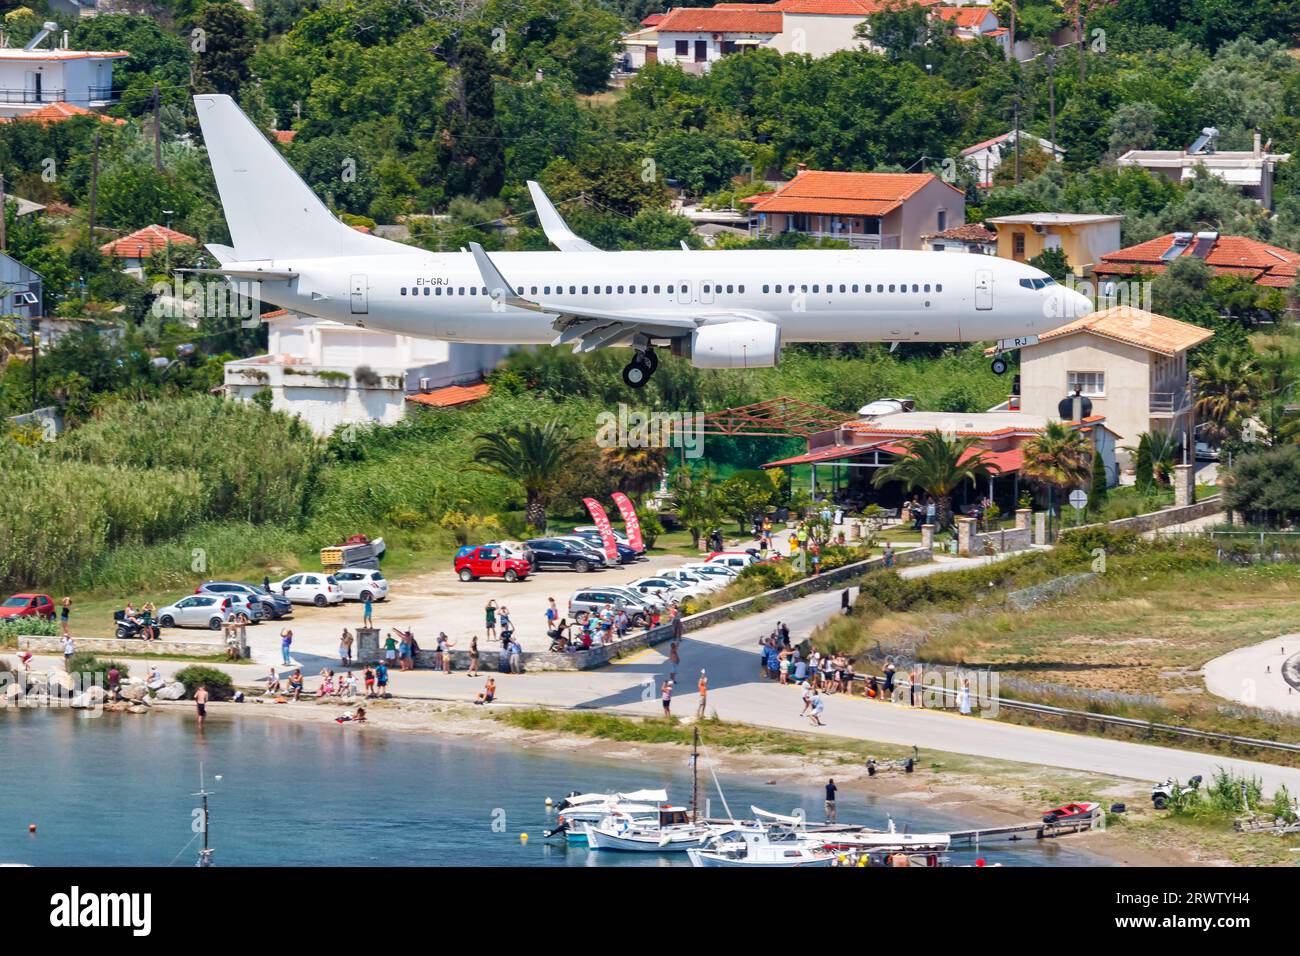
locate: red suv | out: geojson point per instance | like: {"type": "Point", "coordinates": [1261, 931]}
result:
{"type": "Point", "coordinates": [489, 561]}
{"type": "Point", "coordinates": [28, 605]}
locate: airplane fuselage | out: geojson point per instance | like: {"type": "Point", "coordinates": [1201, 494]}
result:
{"type": "Point", "coordinates": [813, 295]}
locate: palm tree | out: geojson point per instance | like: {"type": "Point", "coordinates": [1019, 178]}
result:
{"type": "Point", "coordinates": [696, 500]}
{"type": "Point", "coordinates": [1275, 381]}
{"type": "Point", "coordinates": [1058, 457]}
{"type": "Point", "coordinates": [533, 455]}
{"type": "Point", "coordinates": [636, 470]}
{"type": "Point", "coordinates": [10, 340]}
{"type": "Point", "coordinates": [938, 466]}
{"type": "Point", "coordinates": [1225, 392]}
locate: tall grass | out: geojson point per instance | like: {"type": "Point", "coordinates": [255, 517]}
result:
{"type": "Point", "coordinates": [140, 477]}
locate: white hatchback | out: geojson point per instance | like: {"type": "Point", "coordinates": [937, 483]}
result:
{"type": "Point", "coordinates": [199, 610]}
{"type": "Point", "coordinates": [310, 588]}
{"type": "Point", "coordinates": [359, 583]}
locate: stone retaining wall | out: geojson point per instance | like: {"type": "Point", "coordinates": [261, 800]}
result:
{"type": "Point", "coordinates": [1036, 594]}
{"type": "Point", "coordinates": [367, 649]}
{"type": "Point", "coordinates": [1159, 519]}
{"type": "Point", "coordinates": [105, 646]}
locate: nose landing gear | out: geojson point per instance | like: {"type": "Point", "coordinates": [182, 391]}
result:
{"type": "Point", "coordinates": [1000, 365]}
{"type": "Point", "coordinates": [638, 371]}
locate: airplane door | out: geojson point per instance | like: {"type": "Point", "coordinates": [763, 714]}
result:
{"type": "Point", "coordinates": [359, 305]}
{"type": "Point", "coordinates": [984, 289]}
{"type": "Point", "coordinates": [684, 292]}
{"type": "Point", "coordinates": [706, 291]}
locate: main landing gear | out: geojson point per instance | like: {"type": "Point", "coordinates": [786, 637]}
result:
{"type": "Point", "coordinates": [638, 371]}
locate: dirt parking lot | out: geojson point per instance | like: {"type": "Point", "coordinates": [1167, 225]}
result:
{"type": "Point", "coordinates": [439, 601]}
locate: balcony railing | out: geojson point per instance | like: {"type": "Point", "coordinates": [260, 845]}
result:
{"type": "Point", "coordinates": [857, 240]}
{"type": "Point", "coordinates": [103, 94]}
{"type": "Point", "coordinates": [1171, 402]}
{"type": "Point", "coordinates": [33, 96]}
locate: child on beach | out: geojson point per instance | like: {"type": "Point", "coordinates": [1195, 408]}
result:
{"type": "Point", "coordinates": [488, 693]}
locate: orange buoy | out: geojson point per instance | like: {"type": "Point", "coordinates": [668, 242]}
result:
{"type": "Point", "coordinates": [31, 828]}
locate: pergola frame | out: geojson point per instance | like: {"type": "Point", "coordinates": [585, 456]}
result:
{"type": "Point", "coordinates": [774, 418]}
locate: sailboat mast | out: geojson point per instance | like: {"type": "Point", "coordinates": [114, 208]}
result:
{"type": "Point", "coordinates": [695, 777]}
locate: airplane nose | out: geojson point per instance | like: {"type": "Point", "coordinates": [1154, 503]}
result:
{"type": "Point", "coordinates": [1062, 305]}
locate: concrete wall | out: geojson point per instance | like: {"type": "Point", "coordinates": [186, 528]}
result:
{"type": "Point", "coordinates": [1126, 403]}
{"type": "Point", "coordinates": [817, 35]}
{"type": "Point", "coordinates": [130, 648]}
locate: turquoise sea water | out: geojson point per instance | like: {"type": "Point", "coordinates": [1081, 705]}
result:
{"type": "Point", "coordinates": [117, 791]}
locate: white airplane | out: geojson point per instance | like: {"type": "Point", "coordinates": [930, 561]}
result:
{"type": "Point", "coordinates": [723, 309]}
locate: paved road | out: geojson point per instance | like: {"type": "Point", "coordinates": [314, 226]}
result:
{"type": "Point", "coordinates": [729, 653]}
{"type": "Point", "coordinates": [1262, 675]}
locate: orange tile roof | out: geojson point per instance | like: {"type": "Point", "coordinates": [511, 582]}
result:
{"type": "Point", "coordinates": [1265, 264]}
{"type": "Point", "coordinates": [143, 243]}
{"type": "Point", "coordinates": [452, 395]}
{"type": "Point", "coordinates": [1122, 323]}
{"type": "Point", "coordinates": [58, 112]}
{"type": "Point", "coordinates": [841, 8]}
{"type": "Point", "coordinates": [284, 135]}
{"type": "Point", "coordinates": [968, 232]}
{"type": "Point", "coordinates": [965, 17]}
{"type": "Point", "coordinates": [701, 20]}
{"type": "Point", "coordinates": [860, 194]}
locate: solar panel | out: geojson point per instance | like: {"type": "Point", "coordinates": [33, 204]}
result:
{"type": "Point", "coordinates": [1204, 243]}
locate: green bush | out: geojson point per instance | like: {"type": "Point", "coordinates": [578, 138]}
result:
{"type": "Point", "coordinates": [84, 662]}
{"type": "Point", "coordinates": [15, 627]}
{"type": "Point", "coordinates": [218, 682]}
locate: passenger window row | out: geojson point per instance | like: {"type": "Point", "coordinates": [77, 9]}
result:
{"type": "Point", "coordinates": [707, 288]}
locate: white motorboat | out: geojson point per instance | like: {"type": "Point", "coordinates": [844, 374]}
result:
{"type": "Point", "coordinates": [764, 848]}
{"type": "Point", "coordinates": [671, 832]}
{"type": "Point", "coordinates": [579, 809]}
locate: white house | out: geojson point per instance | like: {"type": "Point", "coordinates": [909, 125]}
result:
{"type": "Point", "coordinates": [34, 77]}
{"type": "Point", "coordinates": [20, 289]}
{"type": "Point", "coordinates": [987, 156]}
{"type": "Point", "coordinates": [695, 37]}
{"type": "Point", "coordinates": [972, 237]}
{"type": "Point", "coordinates": [331, 374]}
{"type": "Point", "coordinates": [1251, 171]}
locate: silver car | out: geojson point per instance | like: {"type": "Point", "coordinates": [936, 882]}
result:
{"type": "Point", "coordinates": [592, 600]}
{"type": "Point", "coordinates": [201, 610]}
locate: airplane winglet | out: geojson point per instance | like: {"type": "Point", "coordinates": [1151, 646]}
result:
{"type": "Point", "coordinates": [553, 224]}
{"type": "Point", "coordinates": [498, 288]}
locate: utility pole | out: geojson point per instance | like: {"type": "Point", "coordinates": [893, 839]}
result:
{"type": "Point", "coordinates": [36, 351]}
{"type": "Point", "coordinates": [1051, 100]}
{"type": "Point", "coordinates": [157, 130]}
{"type": "Point", "coordinates": [1017, 135]}
{"type": "Point", "coordinates": [1078, 25]}
{"type": "Point", "coordinates": [94, 187]}
{"type": "Point", "coordinates": [3, 209]}
{"type": "Point", "coordinates": [1013, 29]}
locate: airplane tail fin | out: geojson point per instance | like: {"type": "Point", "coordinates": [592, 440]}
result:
{"type": "Point", "coordinates": [271, 212]}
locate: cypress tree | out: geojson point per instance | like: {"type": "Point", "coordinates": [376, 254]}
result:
{"type": "Point", "coordinates": [1143, 467]}
{"type": "Point", "coordinates": [1097, 496]}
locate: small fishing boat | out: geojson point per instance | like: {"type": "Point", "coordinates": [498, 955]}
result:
{"type": "Point", "coordinates": [889, 839]}
{"type": "Point", "coordinates": [671, 832]}
{"type": "Point", "coordinates": [764, 848]}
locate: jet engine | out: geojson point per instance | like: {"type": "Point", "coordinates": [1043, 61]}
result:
{"type": "Point", "coordinates": [732, 345]}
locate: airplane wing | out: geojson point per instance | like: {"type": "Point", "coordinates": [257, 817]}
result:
{"type": "Point", "coordinates": [590, 329]}
{"type": "Point", "coordinates": [553, 224]}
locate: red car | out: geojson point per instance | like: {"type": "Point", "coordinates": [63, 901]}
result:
{"type": "Point", "coordinates": [28, 605]}
{"type": "Point", "coordinates": [489, 561]}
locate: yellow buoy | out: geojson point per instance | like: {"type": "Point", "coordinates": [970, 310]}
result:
{"type": "Point", "coordinates": [548, 801]}
{"type": "Point", "coordinates": [523, 838]}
